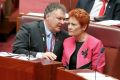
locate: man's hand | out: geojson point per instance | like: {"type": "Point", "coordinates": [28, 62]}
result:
{"type": "Point", "coordinates": [49, 56]}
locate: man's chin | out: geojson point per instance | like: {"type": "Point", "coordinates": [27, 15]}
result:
{"type": "Point", "coordinates": [58, 29]}
{"type": "Point", "coordinates": [70, 34]}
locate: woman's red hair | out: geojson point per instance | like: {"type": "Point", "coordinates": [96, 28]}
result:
{"type": "Point", "coordinates": [81, 15]}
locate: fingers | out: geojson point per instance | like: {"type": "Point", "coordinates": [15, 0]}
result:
{"type": "Point", "coordinates": [49, 56]}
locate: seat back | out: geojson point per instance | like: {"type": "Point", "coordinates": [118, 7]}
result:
{"type": "Point", "coordinates": [110, 36]}
{"type": "Point", "coordinates": [29, 18]}
{"type": "Point", "coordinates": [26, 18]}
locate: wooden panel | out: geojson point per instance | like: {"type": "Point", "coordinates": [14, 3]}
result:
{"type": "Point", "coordinates": [69, 4]}
{"type": "Point", "coordinates": [35, 6]}
{"type": "Point", "coordinates": [15, 69]}
{"type": "Point", "coordinates": [63, 74]}
{"type": "Point", "coordinates": [38, 6]}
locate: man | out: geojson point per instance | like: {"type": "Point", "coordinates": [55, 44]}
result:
{"type": "Point", "coordinates": [43, 39]}
{"type": "Point", "coordinates": [112, 8]}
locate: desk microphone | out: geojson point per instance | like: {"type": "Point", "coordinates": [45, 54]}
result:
{"type": "Point", "coordinates": [29, 44]}
{"type": "Point", "coordinates": [97, 62]}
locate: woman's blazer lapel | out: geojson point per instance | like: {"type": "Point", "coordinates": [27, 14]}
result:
{"type": "Point", "coordinates": [82, 54]}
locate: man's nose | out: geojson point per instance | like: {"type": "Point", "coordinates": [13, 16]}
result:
{"type": "Point", "coordinates": [62, 21]}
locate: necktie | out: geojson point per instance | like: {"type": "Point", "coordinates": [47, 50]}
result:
{"type": "Point", "coordinates": [52, 43]}
{"type": "Point", "coordinates": [102, 10]}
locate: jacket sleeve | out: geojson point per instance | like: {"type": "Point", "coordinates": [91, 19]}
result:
{"type": "Point", "coordinates": [98, 57]}
{"type": "Point", "coordinates": [117, 11]}
{"type": "Point", "coordinates": [21, 44]}
{"type": "Point", "coordinates": [64, 59]}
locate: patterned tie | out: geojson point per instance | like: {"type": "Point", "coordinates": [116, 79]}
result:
{"type": "Point", "coordinates": [52, 43]}
{"type": "Point", "coordinates": [102, 10]}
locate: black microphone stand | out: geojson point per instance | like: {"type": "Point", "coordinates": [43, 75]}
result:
{"type": "Point", "coordinates": [97, 62]}
{"type": "Point", "coordinates": [29, 44]}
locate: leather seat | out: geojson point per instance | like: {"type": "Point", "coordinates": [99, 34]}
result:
{"type": "Point", "coordinates": [110, 36]}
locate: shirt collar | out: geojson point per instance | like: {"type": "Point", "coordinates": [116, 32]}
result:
{"type": "Point", "coordinates": [47, 31]}
{"type": "Point", "coordinates": [106, 0]}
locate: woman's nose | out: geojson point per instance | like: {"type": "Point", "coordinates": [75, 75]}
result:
{"type": "Point", "coordinates": [69, 26]}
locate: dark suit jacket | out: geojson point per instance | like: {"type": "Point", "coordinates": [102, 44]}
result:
{"type": "Point", "coordinates": [36, 32]}
{"type": "Point", "coordinates": [112, 11]}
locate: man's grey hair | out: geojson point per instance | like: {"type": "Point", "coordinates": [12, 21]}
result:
{"type": "Point", "coordinates": [54, 6]}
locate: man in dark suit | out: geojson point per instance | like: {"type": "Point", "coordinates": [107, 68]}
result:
{"type": "Point", "coordinates": [36, 38]}
{"type": "Point", "coordinates": [112, 11]}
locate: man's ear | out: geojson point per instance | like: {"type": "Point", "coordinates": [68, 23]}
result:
{"type": "Point", "coordinates": [47, 16]}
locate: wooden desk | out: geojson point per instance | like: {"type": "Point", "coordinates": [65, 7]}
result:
{"type": "Point", "coordinates": [14, 69]}
{"type": "Point", "coordinates": [63, 74]}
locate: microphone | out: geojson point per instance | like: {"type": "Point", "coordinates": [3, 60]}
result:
{"type": "Point", "coordinates": [44, 42]}
{"type": "Point", "coordinates": [99, 57]}
{"type": "Point", "coordinates": [29, 44]}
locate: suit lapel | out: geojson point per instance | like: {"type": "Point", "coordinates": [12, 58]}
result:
{"type": "Point", "coordinates": [108, 8]}
{"type": "Point", "coordinates": [42, 36]}
{"type": "Point", "coordinates": [82, 54]}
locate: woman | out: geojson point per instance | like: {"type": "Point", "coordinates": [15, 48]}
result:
{"type": "Point", "coordinates": [81, 50]}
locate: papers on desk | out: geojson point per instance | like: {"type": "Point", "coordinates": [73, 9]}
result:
{"type": "Point", "coordinates": [24, 58]}
{"type": "Point", "coordinates": [109, 22]}
{"type": "Point", "coordinates": [7, 54]}
{"type": "Point", "coordinates": [17, 56]}
{"type": "Point", "coordinates": [91, 76]}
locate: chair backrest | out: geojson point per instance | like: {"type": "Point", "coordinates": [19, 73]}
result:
{"type": "Point", "coordinates": [29, 18]}
{"type": "Point", "coordinates": [25, 19]}
{"type": "Point", "coordinates": [110, 36]}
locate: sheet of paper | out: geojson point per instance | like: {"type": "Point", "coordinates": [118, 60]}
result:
{"type": "Point", "coordinates": [93, 75]}
{"type": "Point", "coordinates": [7, 54]}
{"type": "Point", "coordinates": [24, 58]}
{"type": "Point", "coordinates": [17, 56]}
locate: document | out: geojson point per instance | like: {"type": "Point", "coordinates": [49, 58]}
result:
{"type": "Point", "coordinates": [93, 75]}
{"type": "Point", "coordinates": [7, 54]}
{"type": "Point", "coordinates": [24, 57]}
{"type": "Point", "coordinates": [17, 56]}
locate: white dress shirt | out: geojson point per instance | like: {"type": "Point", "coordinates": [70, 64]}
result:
{"type": "Point", "coordinates": [96, 9]}
{"type": "Point", "coordinates": [48, 41]}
